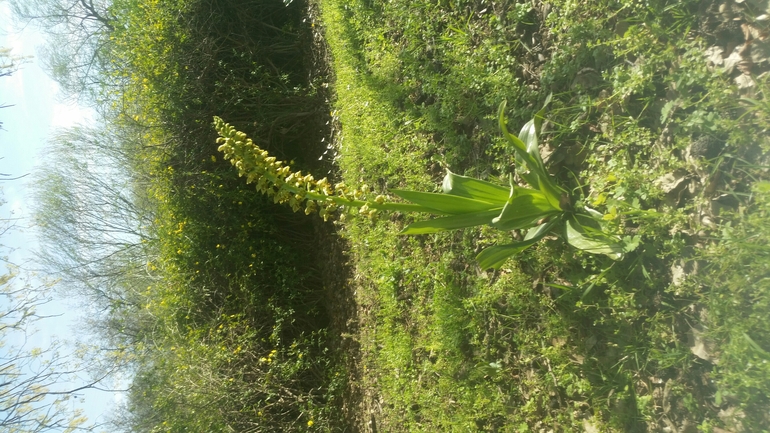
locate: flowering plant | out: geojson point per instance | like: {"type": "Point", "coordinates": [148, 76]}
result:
{"type": "Point", "coordinates": [542, 208]}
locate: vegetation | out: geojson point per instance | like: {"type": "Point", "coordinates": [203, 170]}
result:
{"type": "Point", "coordinates": [221, 303]}
{"type": "Point", "coordinates": [648, 127]}
{"type": "Point", "coordinates": [203, 290]}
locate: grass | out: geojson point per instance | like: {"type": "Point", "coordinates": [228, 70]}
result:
{"type": "Point", "coordinates": [556, 340]}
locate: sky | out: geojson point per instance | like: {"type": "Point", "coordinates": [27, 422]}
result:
{"type": "Point", "coordinates": [36, 111]}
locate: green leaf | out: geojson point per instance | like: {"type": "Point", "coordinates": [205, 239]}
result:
{"type": "Point", "coordinates": [476, 189]}
{"type": "Point", "coordinates": [529, 163]}
{"type": "Point", "coordinates": [553, 193]}
{"type": "Point", "coordinates": [528, 136]}
{"type": "Point", "coordinates": [450, 223]}
{"type": "Point", "coordinates": [518, 145]}
{"type": "Point", "coordinates": [523, 210]}
{"type": "Point", "coordinates": [444, 203]}
{"type": "Point", "coordinates": [592, 240]}
{"type": "Point", "coordinates": [494, 257]}
{"type": "Point", "coordinates": [526, 167]}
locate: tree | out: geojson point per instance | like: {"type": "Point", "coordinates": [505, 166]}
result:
{"type": "Point", "coordinates": [36, 384]}
{"type": "Point", "coordinates": [30, 400]}
{"type": "Point", "coordinates": [78, 39]}
{"type": "Point", "coordinates": [93, 220]}
{"type": "Point", "coordinates": [9, 63]}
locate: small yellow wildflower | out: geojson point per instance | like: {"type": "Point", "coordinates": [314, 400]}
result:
{"type": "Point", "coordinates": [310, 423]}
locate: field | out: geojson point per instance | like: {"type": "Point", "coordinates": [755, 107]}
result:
{"type": "Point", "coordinates": [236, 314]}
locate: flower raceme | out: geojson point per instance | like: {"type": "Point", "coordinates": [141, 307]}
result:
{"type": "Point", "coordinates": [277, 180]}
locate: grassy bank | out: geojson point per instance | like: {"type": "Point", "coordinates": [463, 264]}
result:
{"type": "Point", "coordinates": [210, 297]}
{"type": "Point", "coordinates": [646, 128]}
{"type": "Point", "coordinates": [241, 320]}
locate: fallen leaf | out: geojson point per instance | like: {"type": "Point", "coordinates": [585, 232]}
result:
{"type": "Point", "coordinates": [733, 59]}
{"type": "Point", "coordinates": [672, 181]}
{"type": "Point", "coordinates": [699, 347]}
{"type": "Point", "coordinates": [745, 85]}
{"type": "Point", "coordinates": [714, 55]}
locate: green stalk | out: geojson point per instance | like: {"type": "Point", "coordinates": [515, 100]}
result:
{"type": "Point", "coordinates": [344, 201]}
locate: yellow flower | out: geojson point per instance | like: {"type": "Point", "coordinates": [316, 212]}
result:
{"type": "Point", "coordinates": [310, 423]}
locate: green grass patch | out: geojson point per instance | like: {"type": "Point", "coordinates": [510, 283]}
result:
{"type": "Point", "coordinates": [644, 128]}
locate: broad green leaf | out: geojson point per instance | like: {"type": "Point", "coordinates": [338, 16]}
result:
{"type": "Point", "coordinates": [444, 203]}
{"type": "Point", "coordinates": [529, 176]}
{"type": "Point", "coordinates": [523, 163]}
{"type": "Point", "coordinates": [494, 257]}
{"type": "Point", "coordinates": [522, 157]}
{"type": "Point", "coordinates": [530, 165]}
{"type": "Point", "coordinates": [532, 162]}
{"type": "Point", "coordinates": [592, 240]}
{"type": "Point", "coordinates": [517, 143]}
{"type": "Point", "coordinates": [523, 210]}
{"type": "Point", "coordinates": [528, 136]}
{"type": "Point", "coordinates": [542, 229]}
{"type": "Point", "coordinates": [476, 189]}
{"type": "Point", "coordinates": [450, 223]}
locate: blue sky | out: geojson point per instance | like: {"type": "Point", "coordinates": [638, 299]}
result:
{"type": "Point", "coordinates": [37, 111]}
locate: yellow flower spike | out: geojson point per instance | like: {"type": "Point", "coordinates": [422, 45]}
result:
{"type": "Point", "coordinates": [294, 203]}
{"type": "Point", "coordinates": [310, 207]}
{"type": "Point", "coordinates": [373, 215]}
{"type": "Point", "coordinates": [275, 179]}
